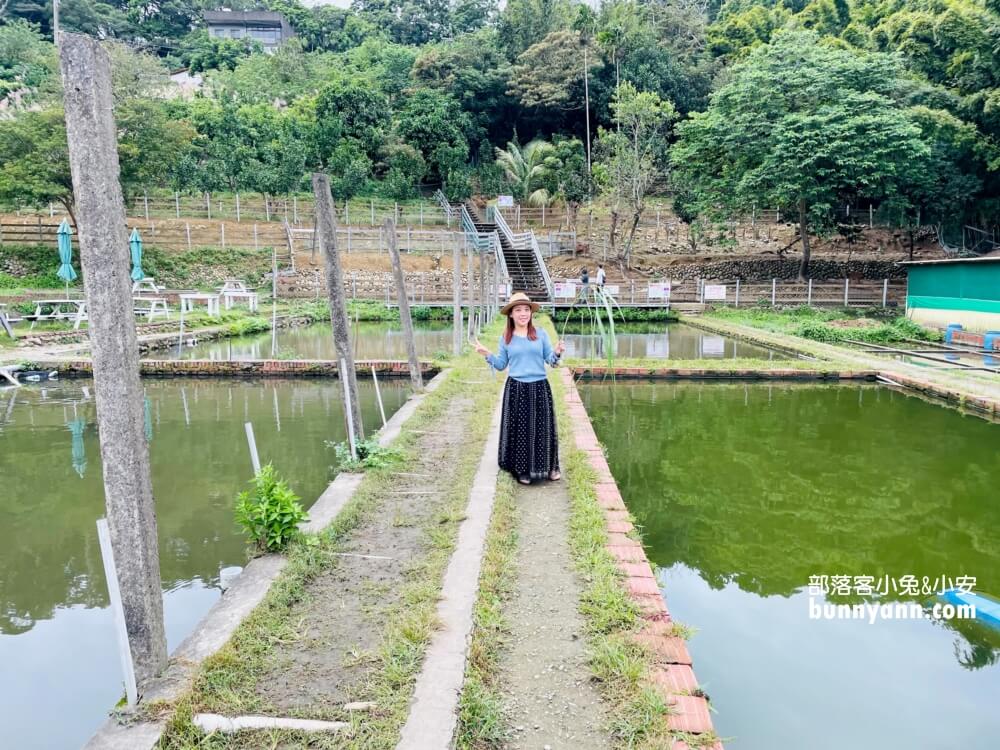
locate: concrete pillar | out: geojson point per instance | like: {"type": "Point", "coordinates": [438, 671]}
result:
{"type": "Point", "coordinates": [456, 283]}
{"type": "Point", "coordinates": [326, 224]}
{"type": "Point", "coordinates": [104, 257]}
{"type": "Point", "coordinates": [404, 306]}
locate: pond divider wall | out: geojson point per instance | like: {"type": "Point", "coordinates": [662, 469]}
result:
{"type": "Point", "coordinates": [281, 368]}
{"type": "Point", "coordinates": [239, 600]}
{"type": "Point", "coordinates": [684, 373]}
{"type": "Point", "coordinates": [672, 671]}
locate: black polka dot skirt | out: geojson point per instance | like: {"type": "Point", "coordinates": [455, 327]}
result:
{"type": "Point", "coordinates": [528, 442]}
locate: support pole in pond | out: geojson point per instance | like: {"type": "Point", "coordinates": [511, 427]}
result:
{"type": "Point", "coordinates": [326, 223]}
{"type": "Point", "coordinates": [117, 611]}
{"type": "Point", "coordinates": [349, 404]}
{"type": "Point", "coordinates": [104, 256]}
{"type": "Point", "coordinates": [456, 290]}
{"type": "Point", "coordinates": [378, 395]}
{"type": "Point", "coordinates": [252, 445]}
{"type": "Point", "coordinates": [404, 306]}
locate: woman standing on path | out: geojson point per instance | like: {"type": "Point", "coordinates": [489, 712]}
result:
{"type": "Point", "coordinates": [529, 447]}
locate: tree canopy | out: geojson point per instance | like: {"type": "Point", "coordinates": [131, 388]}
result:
{"type": "Point", "coordinates": [397, 96]}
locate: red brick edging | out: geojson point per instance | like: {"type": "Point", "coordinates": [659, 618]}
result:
{"type": "Point", "coordinates": [672, 672]}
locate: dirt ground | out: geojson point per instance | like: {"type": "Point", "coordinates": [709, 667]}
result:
{"type": "Point", "coordinates": [550, 700]}
{"type": "Point", "coordinates": [341, 622]}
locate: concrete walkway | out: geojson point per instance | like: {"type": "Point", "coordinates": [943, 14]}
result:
{"type": "Point", "coordinates": [434, 711]}
{"type": "Point", "coordinates": [550, 697]}
{"type": "Point", "coordinates": [975, 389]}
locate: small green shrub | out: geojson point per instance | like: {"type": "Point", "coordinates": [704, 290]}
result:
{"type": "Point", "coordinates": [371, 455]}
{"type": "Point", "coordinates": [270, 513]}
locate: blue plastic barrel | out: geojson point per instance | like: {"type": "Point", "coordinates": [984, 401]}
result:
{"type": "Point", "coordinates": [988, 338]}
{"type": "Point", "coordinates": [952, 327]}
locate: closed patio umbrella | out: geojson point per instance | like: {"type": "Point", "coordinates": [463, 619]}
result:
{"type": "Point", "coordinates": [65, 272]}
{"type": "Point", "coordinates": [76, 428]}
{"type": "Point", "coordinates": [135, 245]}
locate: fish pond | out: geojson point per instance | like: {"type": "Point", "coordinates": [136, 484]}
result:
{"type": "Point", "coordinates": [660, 341]}
{"type": "Point", "coordinates": [57, 642]}
{"type": "Point", "coordinates": [748, 493]}
{"type": "Point", "coordinates": [369, 341]}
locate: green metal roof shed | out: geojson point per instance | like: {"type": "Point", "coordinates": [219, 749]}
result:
{"type": "Point", "coordinates": [959, 290]}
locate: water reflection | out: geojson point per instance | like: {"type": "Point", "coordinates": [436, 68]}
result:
{"type": "Point", "coordinates": [661, 341]}
{"type": "Point", "coordinates": [744, 491]}
{"type": "Point", "coordinates": [369, 341]}
{"type": "Point", "coordinates": [55, 630]}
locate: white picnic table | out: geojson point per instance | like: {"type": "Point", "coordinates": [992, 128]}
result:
{"type": "Point", "coordinates": [190, 299]}
{"type": "Point", "coordinates": [145, 285]}
{"type": "Point", "coordinates": [59, 309]}
{"type": "Point", "coordinates": [151, 307]}
{"type": "Point", "coordinates": [235, 290]}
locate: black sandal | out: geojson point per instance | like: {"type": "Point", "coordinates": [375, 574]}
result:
{"type": "Point", "coordinates": [524, 479]}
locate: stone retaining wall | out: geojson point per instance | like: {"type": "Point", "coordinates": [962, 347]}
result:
{"type": "Point", "coordinates": [765, 269]}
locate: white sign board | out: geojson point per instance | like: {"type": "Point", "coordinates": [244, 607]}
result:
{"type": "Point", "coordinates": [505, 201]}
{"type": "Point", "coordinates": [713, 346]}
{"type": "Point", "coordinates": [659, 290]}
{"type": "Point", "coordinates": [715, 292]}
{"type": "Point", "coordinates": [503, 291]}
{"type": "Point", "coordinates": [564, 289]}
{"type": "Point", "coordinates": [611, 289]}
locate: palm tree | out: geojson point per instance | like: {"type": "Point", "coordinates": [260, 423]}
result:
{"type": "Point", "coordinates": [525, 168]}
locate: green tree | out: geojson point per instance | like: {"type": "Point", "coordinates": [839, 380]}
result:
{"type": "Point", "coordinates": [633, 157]}
{"type": "Point", "coordinates": [549, 74]}
{"type": "Point", "coordinates": [34, 160]}
{"type": "Point", "coordinates": [526, 22]}
{"type": "Point", "coordinates": [349, 109]}
{"type": "Point", "coordinates": [526, 169]}
{"type": "Point", "coordinates": [27, 62]}
{"type": "Point", "coordinates": [800, 124]}
{"type": "Point", "coordinates": [434, 124]}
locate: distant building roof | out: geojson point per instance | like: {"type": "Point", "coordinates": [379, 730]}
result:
{"type": "Point", "coordinates": [945, 261]}
{"type": "Point", "coordinates": [243, 16]}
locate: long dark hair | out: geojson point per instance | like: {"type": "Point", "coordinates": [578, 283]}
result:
{"type": "Point", "coordinates": [508, 333]}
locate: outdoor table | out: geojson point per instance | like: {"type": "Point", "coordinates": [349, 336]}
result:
{"type": "Point", "coordinates": [150, 307]}
{"type": "Point", "coordinates": [146, 284]}
{"type": "Point", "coordinates": [233, 296]}
{"type": "Point", "coordinates": [59, 309]}
{"type": "Point", "coordinates": [189, 299]}
{"type": "Point", "coordinates": [232, 285]}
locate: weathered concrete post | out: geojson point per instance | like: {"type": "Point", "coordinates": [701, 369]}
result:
{"type": "Point", "coordinates": [482, 290]}
{"type": "Point", "coordinates": [456, 284]}
{"type": "Point", "coordinates": [326, 224]}
{"type": "Point", "coordinates": [404, 306]}
{"type": "Point", "coordinates": [104, 256]}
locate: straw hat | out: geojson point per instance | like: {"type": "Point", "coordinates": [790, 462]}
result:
{"type": "Point", "coordinates": [519, 298]}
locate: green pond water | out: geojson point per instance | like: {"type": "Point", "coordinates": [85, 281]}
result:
{"type": "Point", "coordinates": [745, 491]}
{"type": "Point", "coordinates": [57, 644]}
{"type": "Point", "coordinates": [369, 341]}
{"type": "Point", "coordinates": [661, 341]}
{"type": "Point", "coordinates": [385, 341]}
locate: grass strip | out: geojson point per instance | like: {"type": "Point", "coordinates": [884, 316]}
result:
{"type": "Point", "coordinates": [226, 682]}
{"type": "Point", "coordinates": [481, 723]}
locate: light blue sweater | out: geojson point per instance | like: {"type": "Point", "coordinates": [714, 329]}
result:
{"type": "Point", "coordinates": [526, 358]}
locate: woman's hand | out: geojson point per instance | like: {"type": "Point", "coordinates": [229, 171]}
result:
{"type": "Point", "coordinates": [560, 348]}
{"type": "Point", "coordinates": [480, 349]}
